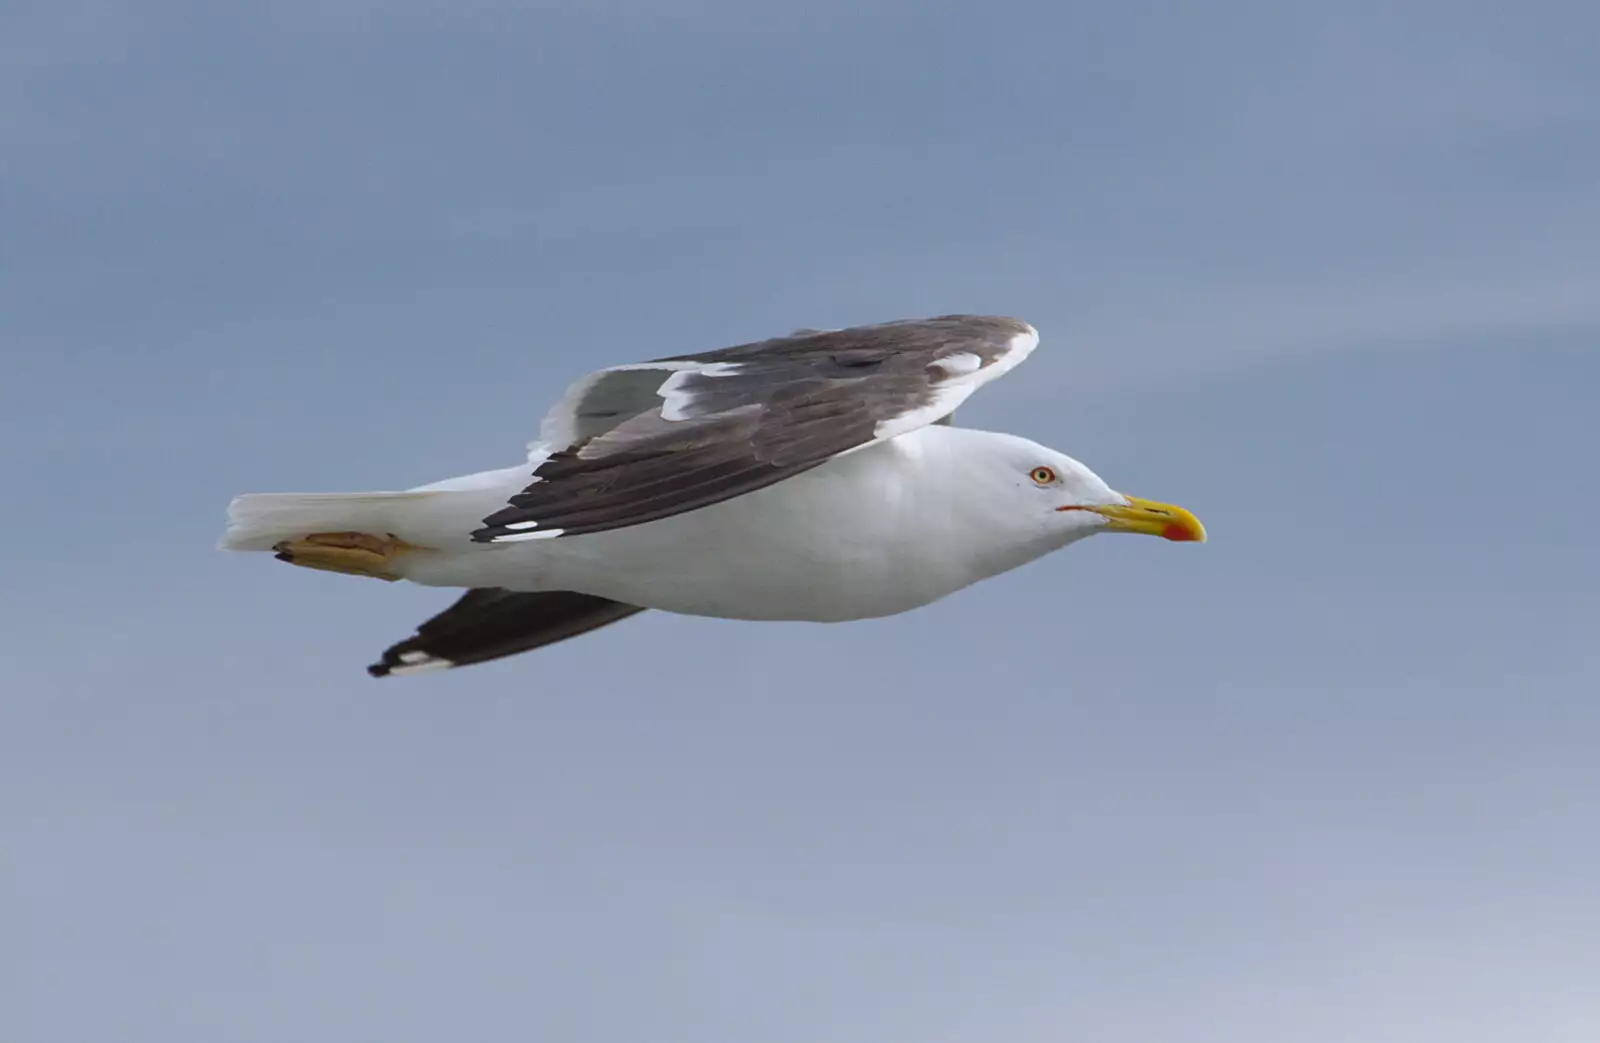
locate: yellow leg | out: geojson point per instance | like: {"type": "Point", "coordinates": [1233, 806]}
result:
{"type": "Point", "coordinates": [353, 553]}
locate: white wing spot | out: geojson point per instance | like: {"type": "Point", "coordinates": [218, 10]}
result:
{"type": "Point", "coordinates": [958, 365]}
{"type": "Point", "coordinates": [676, 401]}
{"type": "Point", "coordinates": [518, 537]}
{"type": "Point", "coordinates": [522, 525]}
{"type": "Point", "coordinates": [419, 663]}
{"type": "Point", "coordinates": [560, 426]}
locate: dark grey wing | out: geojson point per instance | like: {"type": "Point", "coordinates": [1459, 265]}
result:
{"type": "Point", "coordinates": [636, 443]}
{"type": "Point", "coordinates": [490, 623]}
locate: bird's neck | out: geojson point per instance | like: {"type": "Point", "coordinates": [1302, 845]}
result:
{"type": "Point", "coordinates": [972, 508]}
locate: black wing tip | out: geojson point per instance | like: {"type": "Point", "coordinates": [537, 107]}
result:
{"type": "Point", "coordinates": [394, 663]}
{"type": "Point", "coordinates": [490, 623]}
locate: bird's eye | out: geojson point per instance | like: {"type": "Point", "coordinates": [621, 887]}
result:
{"type": "Point", "coordinates": [1042, 475]}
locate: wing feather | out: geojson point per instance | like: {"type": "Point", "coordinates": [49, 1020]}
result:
{"type": "Point", "coordinates": [649, 440]}
{"type": "Point", "coordinates": [490, 623]}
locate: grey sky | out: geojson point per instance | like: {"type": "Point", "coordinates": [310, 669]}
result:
{"type": "Point", "coordinates": [1327, 277]}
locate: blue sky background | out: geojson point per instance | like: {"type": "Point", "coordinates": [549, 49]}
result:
{"type": "Point", "coordinates": [1326, 276]}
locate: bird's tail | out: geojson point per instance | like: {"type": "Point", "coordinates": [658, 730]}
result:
{"type": "Point", "coordinates": [436, 515]}
{"type": "Point", "coordinates": [259, 521]}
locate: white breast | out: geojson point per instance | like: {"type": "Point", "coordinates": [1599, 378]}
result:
{"type": "Point", "coordinates": [871, 533]}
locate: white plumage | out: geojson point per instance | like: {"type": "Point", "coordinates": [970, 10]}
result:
{"type": "Point", "coordinates": [812, 477]}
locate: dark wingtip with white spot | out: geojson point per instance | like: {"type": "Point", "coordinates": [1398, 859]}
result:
{"type": "Point", "coordinates": [411, 661]}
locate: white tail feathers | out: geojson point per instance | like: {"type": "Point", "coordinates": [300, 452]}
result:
{"type": "Point", "coordinates": [256, 521]}
{"type": "Point", "coordinates": [443, 514]}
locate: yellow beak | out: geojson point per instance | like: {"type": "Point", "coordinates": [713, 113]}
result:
{"type": "Point", "coordinates": [1152, 519]}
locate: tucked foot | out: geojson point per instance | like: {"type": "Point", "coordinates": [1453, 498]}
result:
{"type": "Point", "coordinates": [353, 553]}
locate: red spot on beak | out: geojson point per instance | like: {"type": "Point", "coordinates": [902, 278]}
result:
{"type": "Point", "coordinates": [1178, 533]}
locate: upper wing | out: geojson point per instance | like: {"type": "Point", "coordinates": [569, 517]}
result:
{"type": "Point", "coordinates": [635, 443]}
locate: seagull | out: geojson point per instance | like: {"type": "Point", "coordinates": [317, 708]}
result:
{"type": "Point", "coordinates": [811, 477]}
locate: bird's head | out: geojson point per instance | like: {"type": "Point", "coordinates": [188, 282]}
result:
{"type": "Point", "coordinates": [1072, 501]}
